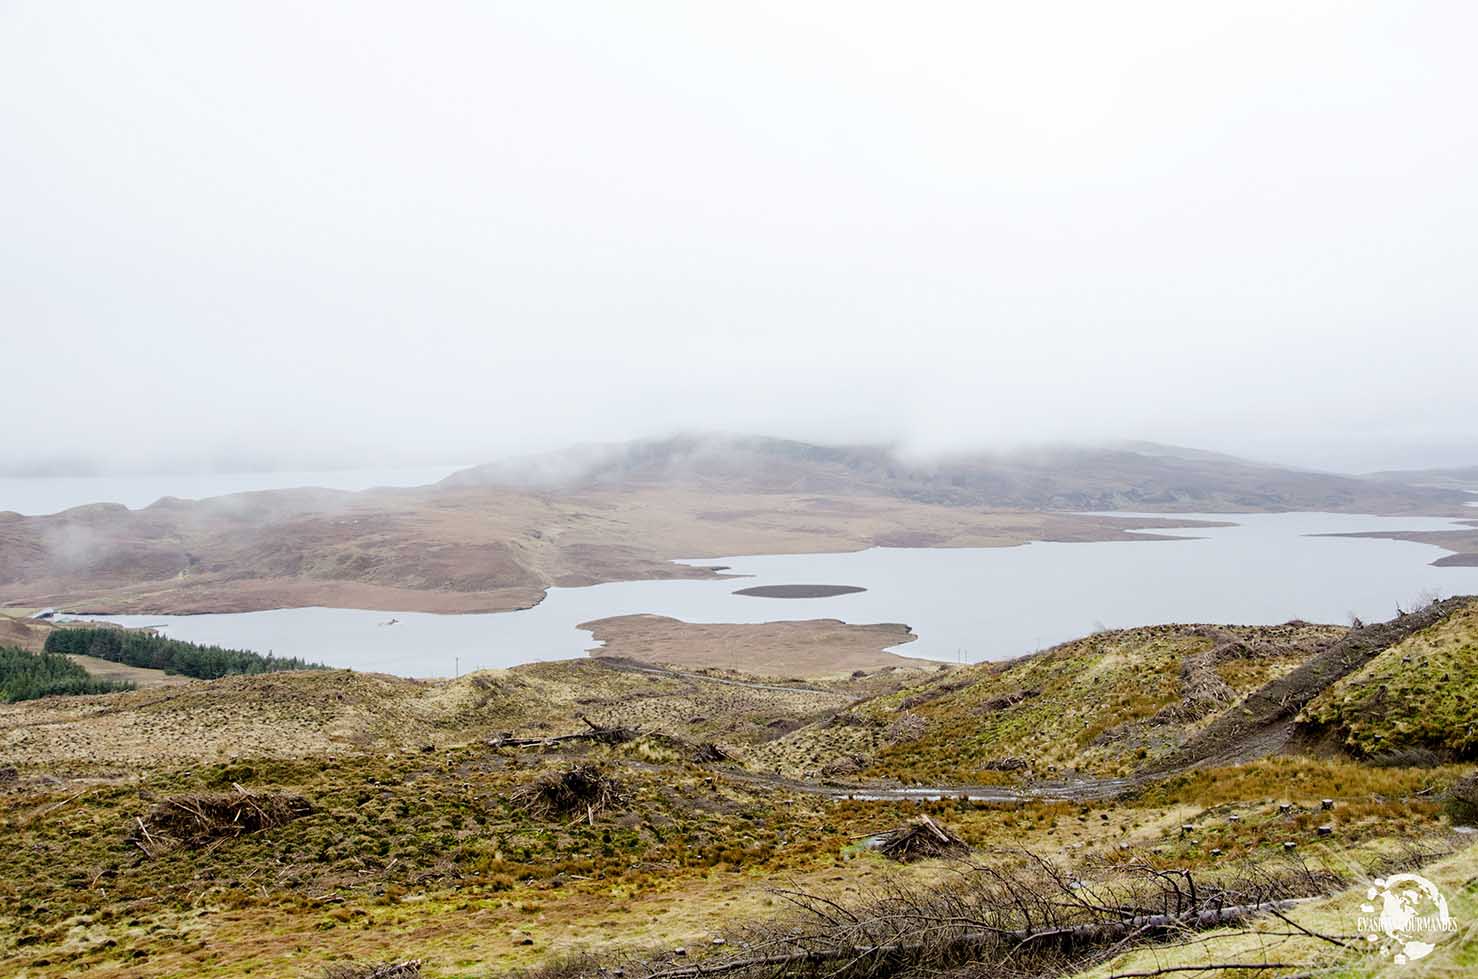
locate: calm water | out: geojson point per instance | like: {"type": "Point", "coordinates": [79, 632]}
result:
{"type": "Point", "coordinates": [53, 494]}
{"type": "Point", "coordinates": [964, 603]}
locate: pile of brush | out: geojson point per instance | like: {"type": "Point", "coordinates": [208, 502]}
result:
{"type": "Point", "coordinates": [580, 790]}
{"type": "Point", "coordinates": [598, 734]}
{"type": "Point", "coordinates": [197, 819]}
{"type": "Point", "coordinates": [391, 970]}
{"type": "Point", "coordinates": [919, 840]}
{"type": "Point", "coordinates": [609, 734]}
{"type": "Point", "coordinates": [708, 753]}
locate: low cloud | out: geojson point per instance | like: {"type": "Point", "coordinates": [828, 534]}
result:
{"type": "Point", "coordinates": [343, 235]}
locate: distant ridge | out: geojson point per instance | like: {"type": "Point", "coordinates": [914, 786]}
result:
{"type": "Point", "coordinates": [1124, 476]}
{"type": "Point", "coordinates": [1457, 477]}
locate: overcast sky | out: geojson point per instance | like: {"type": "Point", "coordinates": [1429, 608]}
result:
{"type": "Point", "coordinates": [317, 233]}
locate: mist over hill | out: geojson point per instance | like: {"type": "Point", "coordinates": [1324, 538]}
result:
{"type": "Point", "coordinates": [1124, 476]}
{"type": "Point", "coordinates": [1457, 477]}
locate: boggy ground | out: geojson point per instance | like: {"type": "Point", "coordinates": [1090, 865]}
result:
{"type": "Point", "coordinates": [419, 839]}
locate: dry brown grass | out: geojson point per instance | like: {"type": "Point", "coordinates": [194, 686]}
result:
{"type": "Point", "coordinates": [815, 648]}
{"type": "Point", "coordinates": [423, 854]}
{"type": "Point", "coordinates": [139, 676]}
{"type": "Point", "coordinates": [288, 715]}
{"type": "Point", "coordinates": [328, 712]}
{"type": "Point", "coordinates": [23, 633]}
{"type": "Point", "coordinates": [689, 706]}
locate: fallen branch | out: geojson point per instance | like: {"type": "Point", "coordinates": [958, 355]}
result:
{"type": "Point", "coordinates": [1167, 970]}
{"type": "Point", "coordinates": [1312, 934]}
{"type": "Point", "coordinates": [1096, 933]}
{"type": "Point", "coordinates": [396, 970]}
{"type": "Point", "coordinates": [410, 969]}
{"type": "Point", "coordinates": [54, 807]}
{"type": "Point", "coordinates": [599, 733]}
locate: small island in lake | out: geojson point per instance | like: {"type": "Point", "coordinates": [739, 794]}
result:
{"type": "Point", "coordinates": [799, 591]}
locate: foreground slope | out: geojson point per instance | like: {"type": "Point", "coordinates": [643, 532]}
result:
{"type": "Point", "coordinates": [296, 824]}
{"type": "Point", "coordinates": [1101, 706]}
{"type": "Point", "coordinates": [1306, 935]}
{"type": "Point", "coordinates": [1157, 698]}
{"type": "Point", "coordinates": [1420, 694]}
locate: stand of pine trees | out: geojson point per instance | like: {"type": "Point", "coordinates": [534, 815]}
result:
{"type": "Point", "coordinates": [27, 676]}
{"type": "Point", "coordinates": [157, 652]}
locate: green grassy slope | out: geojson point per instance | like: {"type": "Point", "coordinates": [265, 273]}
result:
{"type": "Point", "coordinates": [1420, 693]}
{"type": "Point", "coordinates": [1101, 706]}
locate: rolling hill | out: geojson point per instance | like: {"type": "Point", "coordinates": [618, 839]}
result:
{"type": "Point", "coordinates": [1157, 699]}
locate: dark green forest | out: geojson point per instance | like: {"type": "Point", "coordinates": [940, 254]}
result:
{"type": "Point", "coordinates": [156, 652]}
{"type": "Point", "coordinates": [26, 676]}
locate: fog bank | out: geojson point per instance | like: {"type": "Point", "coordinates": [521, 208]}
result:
{"type": "Point", "coordinates": [264, 236]}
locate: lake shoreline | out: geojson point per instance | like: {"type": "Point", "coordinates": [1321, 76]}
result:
{"type": "Point", "coordinates": [962, 604]}
{"type": "Point", "coordinates": [221, 593]}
